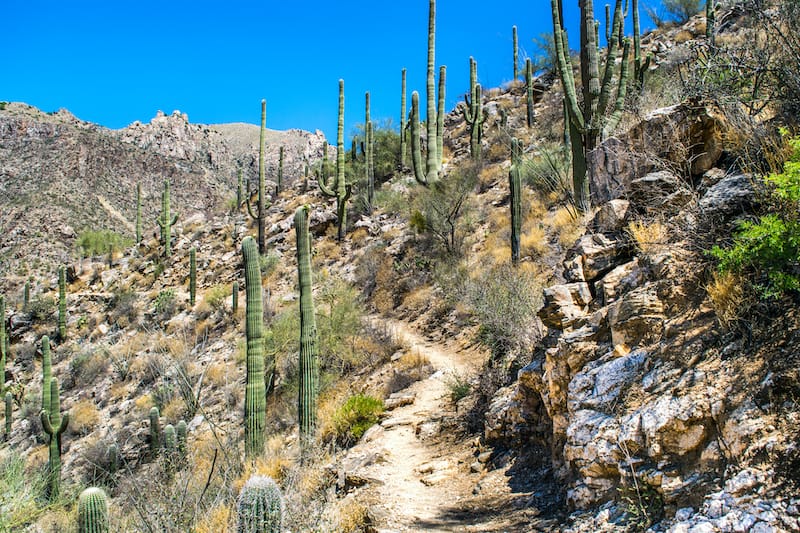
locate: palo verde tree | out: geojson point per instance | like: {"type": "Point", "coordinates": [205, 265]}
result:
{"type": "Point", "coordinates": [590, 119]}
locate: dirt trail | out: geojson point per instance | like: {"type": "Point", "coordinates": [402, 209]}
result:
{"type": "Point", "coordinates": [418, 477]}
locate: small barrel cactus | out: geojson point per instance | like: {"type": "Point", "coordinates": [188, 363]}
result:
{"type": "Point", "coordinates": [93, 511]}
{"type": "Point", "coordinates": [260, 506]}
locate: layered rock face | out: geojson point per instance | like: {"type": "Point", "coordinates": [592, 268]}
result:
{"type": "Point", "coordinates": [635, 385]}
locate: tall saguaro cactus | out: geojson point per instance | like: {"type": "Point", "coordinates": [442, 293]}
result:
{"type": "Point", "coordinates": [166, 221]}
{"type": "Point", "coordinates": [138, 213]}
{"type": "Point", "coordinates": [279, 185]}
{"type": "Point", "coordinates": [2, 344]}
{"type": "Point", "coordinates": [473, 111]}
{"type": "Point", "coordinates": [515, 188]}
{"type": "Point", "coordinates": [62, 303]}
{"type": "Point", "coordinates": [369, 156]}
{"type": "Point", "coordinates": [591, 118]}
{"type": "Point", "coordinates": [93, 511]}
{"type": "Point", "coordinates": [192, 275]}
{"type": "Point", "coordinates": [529, 99]}
{"type": "Point", "coordinates": [516, 52]}
{"type": "Point", "coordinates": [434, 121]}
{"type": "Point", "coordinates": [54, 425]}
{"type": "Point", "coordinates": [307, 398]}
{"type": "Point", "coordinates": [639, 67]}
{"type": "Point", "coordinates": [339, 189]}
{"type": "Point", "coordinates": [47, 373]}
{"type": "Point", "coordinates": [403, 133]}
{"type": "Point", "coordinates": [261, 217]}
{"type": "Point", "coordinates": [260, 506]}
{"type": "Point", "coordinates": [9, 408]}
{"type": "Point", "coordinates": [235, 297]}
{"type": "Point", "coordinates": [255, 400]}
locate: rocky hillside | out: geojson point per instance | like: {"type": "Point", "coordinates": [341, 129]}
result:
{"type": "Point", "coordinates": [61, 176]}
{"type": "Point", "coordinates": [612, 380]}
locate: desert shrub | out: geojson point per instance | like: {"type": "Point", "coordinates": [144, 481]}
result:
{"type": "Point", "coordinates": [548, 171]}
{"type": "Point", "coordinates": [83, 417]}
{"type": "Point", "coordinates": [767, 250]}
{"type": "Point", "coordinates": [268, 262]}
{"type": "Point", "coordinates": [124, 307]}
{"type": "Point", "coordinates": [458, 386]}
{"type": "Point", "coordinates": [216, 297]}
{"type": "Point", "coordinates": [92, 242]}
{"type": "Point", "coordinates": [20, 487]}
{"type": "Point", "coordinates": [442, 211]}
{"type": "Point", "coordinates": [87, 366]}
{"type": "Point", "coordinates": [42, 308]}
{"type": "Point", "coordinates": [726, 292]}
{"type": "Point", "coordinates": [339, 323]}
{"type": "Point", "coordinates": [165, 304]}
{"type": "Point", "coordinates": [355, 417]}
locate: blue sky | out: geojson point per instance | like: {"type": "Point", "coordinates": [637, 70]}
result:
{"type": "Point", "coordinates": [116, 62]}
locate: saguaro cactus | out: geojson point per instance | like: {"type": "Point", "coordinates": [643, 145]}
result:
{"type": "Point", "coordinates": [235, 297]}
{"type": "Point", "coordinates": [369, 161]}
{"type": "Point", "coordinates": [339, 189]}
{"type": "Point", "coordinates": [192, 275]}
{"type": "Point", "coordinates": [403, 133]}
{"type": "Point", "coordinates": [138, 213]}
{"type": "Point", "coordinates": [261, 217]}
{"type": "Point", "coordinates": [255, 395]}
{"type": "Point", "coordinates": [166, 221]}
{"type": "Point", "coordinates": [2, 344]}
{"type": "Point", "coordinates": [434, 120]}
{"type": "Point", "coordinates": [26, 295]}
{"type": "Point", "coordinates": [62, 303]}
{"type": "Point", "coordinates": [239, 189]}
{"type": "Point", "coordinates": [181, 430]}
{"type": "Point", "coordinates": [590, 123]}
{"type": "Point", "coordinates": [515, 187]}
{"type": "Point", "coordinates": [155, 431]}
{"type": "Point", "coordinates": [113, 458]}
{"type": "Point", "coordinates": [46, 373]}
{"type": "Point", "coordinates": [170, 439]}
{"type": "Point", "coordinates": [307, 400]}
{"type": "Point", "coordinates": [54, 425]}
{"type": "Point", "coordinates": [529, 100]}
{"type": "Point", "coordinates": [93, 511]}
{"type": "Point", "coordinates": [279, 185]}
{"type": "Point", "coordinates": [516, 52]}
{"type": "Point", "coordinates": [639, 67]}
{"type": "Point", "coordinates": [711, 21]}
{"type": "Point", "coordinates": [473, 111]}
{"type": "Point", "coordinates": [260, 506]}
{"type": "Point", "coordinates": [9, 407]}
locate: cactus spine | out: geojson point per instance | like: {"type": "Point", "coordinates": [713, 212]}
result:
{"type": "Point", "coordinates": [261, 218]}
{"type": "Point", "coordinates": [589, 124]}
{"type": "Point", "coordinates": [62, 303]}
{"type": "Point", "coordinates": [9, 408]}
{"type": "Point", "coordinates": [307, 400]}
{"type": "Point", "coordinates": [516, 52]}
{"type": "Point", "coordinates": [54, 425]}
{"type": "Point", "coordinates": [93, 511]}
{"type": "Point", "coordinates": [369, 161]}
{"type": "Point", "coordinates": [255, 394]}
{"type": "Point", "coordinates": [434, 121]}
{"type": "Point", "coordinates": [2, 344]}
{"type": "Point", "coordinates": [138, 213]}
{"type": "Point", "coordinates": [166, 221]}
{"type": "Point", "coordinates": [235, 297]}
{"type": "Point", "coordinates": [46, 373]}
{"type": "Point", "coordinates": [260, 507]}
{"type": "Point", "coordinates": [279, 185]}
{"type": "Point", "coordinates": [192, 275]}
{"type": "Point", "coordinates": [473, 111]}
{"type": "Point", "coordinates": [515, 188]}
{"type": "Point", "coordinates": [529, 92]}
{"type": "Point", "coordinates": [403, 134]}
{"type": "Point", "coordinates": [339, 189]}
{"type": "Point", "coordinates": [155, 431]}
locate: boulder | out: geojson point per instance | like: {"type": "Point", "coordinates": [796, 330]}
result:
{"type": "Point", "coordinates": [619, 281]}
{"type": "Point", "coordinates": [637, 317]}
{"type": "Point", "coordinates": [598, 254]}
{"type": "Point", "coordinates": [730, 195]}
{"type": "Point", "coordinates": [564, 304]}
{"type": "Point", "coordinates": [600, 383]}
{"type": "Point", "coordinates": [611, 217]}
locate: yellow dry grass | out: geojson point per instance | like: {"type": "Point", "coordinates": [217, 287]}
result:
{"type": "Point", "coordinates": [217, 520]}
{"type": "Point", "coordinates": [351, 516]}
{"type": "Point", "coordinates": [533, 242]}
{"type": "Point", "coordinates": [328, 403]}
{"type": "Point", "coordinates": [174, 410]}
{"type": "Point", "coordinates": [216, 375]}
{"type": "Point", "coordinates": [649, 237]}
{"type": "Point", "coordinates": [726, 292]}
{"type": "Point", "coordinates": [412, 360]}
{"type": "Point", "coordinates": [83, 417]}
{"type": "Point", "coordinates": [565, 226]}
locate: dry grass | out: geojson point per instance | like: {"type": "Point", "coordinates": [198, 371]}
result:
{"type": "Point", "coordinates": [216, 375]}
{"type": "Point", "coordinates": [683, 36]}
{"type": "Point", "coordinates": [84, 416]}
{"type": "Point", "coordinates": [359, 236]}
{"type": "Point", "coordinates": [648, 237]}
{"type": "Point", "coordinates": [143, 403]}
{"type": "Point", "coordinates": [491, 175]}
{"type": "Point", "coordinates": [174, 410]}
{"type": "Point", "coordinates": [727, 294]}
{"type": "Point", "coordinates": [534, 242]}
{"type": "Point", "coordinates": [351, 515]}
{"type": "Point", "coordinates": [565, 225]}
{"type": "Point", "coordinates": [413, 360]}
{"type": "Point", "coordinates": [218, 520]}
{"type": "Point", "coordinates": [328, 403]}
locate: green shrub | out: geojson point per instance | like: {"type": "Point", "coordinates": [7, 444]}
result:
{"type": "Point", "coordinates": [268, 262]}
{"type": "Point", "coordinates": [42, 308]}
{"type": "Point", "coordinates": [165, 304]}
{"type": "Point", "coordinates": [770, 247]}
{"type": "Point", "coordinates": [86, 367]}
{"type": "Point", "coordinates": [459, 387]}
{"type": "Point", "coordinates": [216, 297]}
{"type": "Point", "coordinates": [355, 417]}
{"type": "Point", "coordinates": [93, 243]}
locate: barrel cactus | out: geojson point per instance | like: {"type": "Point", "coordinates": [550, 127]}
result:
{"type": "Point", "coordinates": [93, 511]}
{"type": "Point", "coordinates": [260, 506]}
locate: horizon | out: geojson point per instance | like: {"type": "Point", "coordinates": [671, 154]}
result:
{"type": "Point", "coordinates": [115, 65]}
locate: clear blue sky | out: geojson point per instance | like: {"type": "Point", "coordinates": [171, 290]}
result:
{"type": "Point", "coordinates": [116, 62]}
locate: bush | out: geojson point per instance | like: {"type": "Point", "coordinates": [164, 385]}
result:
{"type": "Point", "coordinates": [217, 296]}
{"type": "Point", "coordinates": [165, 305]}
{"type": "Point", "coordinates": [93, 243]}
{"type": "Point", "coordinates": [86, 366]}
{"type": "Point", "coordinates": [770, 247]}
{"type": "Point", "coordinates": [42, 308]}
{"type": "Point", "coordinates": [355, 417]}
{"type": "Point", "coordinates": [124, 306]}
